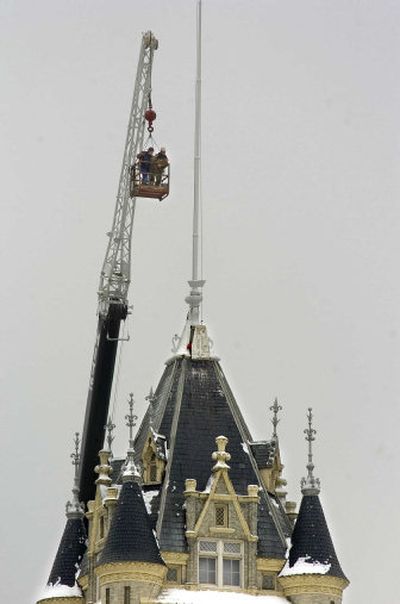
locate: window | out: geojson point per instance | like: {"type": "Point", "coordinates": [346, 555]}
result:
{"type": "Point", "coordinates": [207, 570]}
{"type": "Point", "coordinates": [172, 574]}
{"type": "Point", "coordinates": [231, 572]}
{"type": "Point", "coordinates": [101, 528]}
{"type": "Point", "coordinates": [221, 515]}
{"type": "Point", "coordinates": [127, 594]}
{"type": "Point", "coordinates": [268, 581]}
{"type": "Point", "coordinates": [153, 471]}
{"type": "Point", "coordinates": [220, 563]}
{"type": "Point", "coordinates": [108, 599]}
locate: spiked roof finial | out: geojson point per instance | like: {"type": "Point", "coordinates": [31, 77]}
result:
{"type": "Point", "coordinates": [110, 427]}
{"type": "Point", "coordinates": [130, 470]}
{"type": "Point", "coordinates": [74, 508]}
{"type": "Point", "coordinates": [151, 397]}
{"type": "Point", "coordinates": [275, 408]}
{"type": "Point", "coordinates": [131, 419]}
{"type": "Point", "coordinates": [310, 485]}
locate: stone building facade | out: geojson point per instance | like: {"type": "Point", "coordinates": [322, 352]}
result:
{"type": "Point", "coordinates": [197, 507]}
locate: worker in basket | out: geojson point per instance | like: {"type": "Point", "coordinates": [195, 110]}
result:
{"type": "Point", "coordinates": [145, 159]}
{"type": "Point", "coordinates": [158, 164]}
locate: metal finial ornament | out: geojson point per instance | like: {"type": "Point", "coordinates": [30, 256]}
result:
{"type": "Point", "coordinates": [74, 508]}
{"type": "Point", "coordinates": [130, 471]}
{"type": "Point", "coordinates": [110, 427]}
{"type": "Point", "coordinates": [310, 485]}
{"type": "Point", "coordinates": [151, 397]}
{"type": "Point", "coordinates": [75, 454]}
{"type": "Point", "coordinates": [275, 408]}
{"type": "Point", "coordinates": [131, 419]}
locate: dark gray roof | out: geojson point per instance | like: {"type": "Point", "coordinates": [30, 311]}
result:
{"type": "Point", "coordinates": [130, 538]}
{"type": "Point", "coordinates": [117, 465]}
{"type": "Point", "coordinates": [69, 554]}
{"type": "Point", "coordinates": [311, 538]}
{"type": "Point", "coordinates": [264, 453]}
{"type": "Point", "coordinates": [193, 406]}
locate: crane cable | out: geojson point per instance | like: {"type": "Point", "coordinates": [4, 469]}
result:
{"type": "Point", "coordinates": [116, 383]}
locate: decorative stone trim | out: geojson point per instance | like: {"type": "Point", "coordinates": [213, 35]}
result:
{"type": "Point", "coordinates": [221, 530]}
{"type": "Point", "coordinates": [270, 564]}
{"type": "Point", "coordinates": [83, 582]}
{"type": "Point", "coordinates": [308, 584]}
{"type": "Point", "coordinates": [175, 557]}
{"type": "Point", "coordinates": [62, 600]}
{"type": "Point", "coordinates": [131, 571]}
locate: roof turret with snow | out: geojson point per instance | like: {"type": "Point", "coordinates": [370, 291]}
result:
{"type": "Point", "coordinates": [62, 579]}
{"type": "Point", "coordinates": [312, 557]}
{"type": "Point", "coordinates": [130, 537]}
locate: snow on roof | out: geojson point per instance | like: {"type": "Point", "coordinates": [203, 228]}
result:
{"type": "Point", "coordinates": [305, 566]}
{"type": "Point", "coordinates": [60, 591]}
{"type": "Point", "coordinates": [148, 497]}
{"type": "Point", "coordinates": [184, 596]}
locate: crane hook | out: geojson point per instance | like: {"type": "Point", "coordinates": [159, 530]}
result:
{"type": "Point", "coordinates": [150, 115]}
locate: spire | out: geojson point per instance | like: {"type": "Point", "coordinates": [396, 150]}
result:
{"type": "Point", "coordinates": [196, 284]}
{"type": "Point", "coordinates": [310, 485]}
{"type": "Point", "coordinates": [130, 471]}
{"type": "Point", "coordinates": [275, 408]}
{"type": "Point", "coordinates": [74, 508]}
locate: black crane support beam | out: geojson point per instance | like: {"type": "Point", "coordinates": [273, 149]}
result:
{"type": "Point", "coordinates": [98, 400]}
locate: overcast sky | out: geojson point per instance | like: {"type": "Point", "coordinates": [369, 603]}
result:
{"type": "Point", "coordinates": [301, 245]}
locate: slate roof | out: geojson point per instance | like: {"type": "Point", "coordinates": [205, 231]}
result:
{"type": "Point", "coordinates": [193, 406]}
{"type": "Point", "coordinates": [130, 538]}
{"type": "Point", "coordinates": [69, 554]}
{"type": "Point", "coordinates": [264, 453]}
{"type": "Point", "coordinates": [311, 538]}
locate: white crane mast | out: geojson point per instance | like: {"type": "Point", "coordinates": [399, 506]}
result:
{"type": "Point", "coordinates": [116, 271]}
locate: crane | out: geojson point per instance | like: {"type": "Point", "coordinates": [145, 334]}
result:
{"type": "Point", "coordinates": [115, 275]}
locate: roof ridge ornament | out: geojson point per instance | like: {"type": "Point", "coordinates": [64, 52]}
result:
{"type": "Point", "coordinates": [310, 485]}
{"type": "Point", "coordinates": [152, 398]}
{"type": "Point", "coordinates": [130, 471]}
{"type": "Point", "coordinates": [74, 508]}
{"type": "Point", "coordinates": [221, 456]}
{"type": "Point", "coordinates": [275, 408]}
{"type": "Point", "coordinates": [110, 427]}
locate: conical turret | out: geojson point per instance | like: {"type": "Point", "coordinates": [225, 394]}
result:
{"type": "Point", "coordinates": [312, 566]}
{"type": "Point", "coordinates": [62, 580]}
{"type": "Point", "coordinates": [130, 547]}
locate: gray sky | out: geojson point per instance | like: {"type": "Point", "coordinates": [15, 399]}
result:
{"type": "Point", "coordinates": [301, 219]}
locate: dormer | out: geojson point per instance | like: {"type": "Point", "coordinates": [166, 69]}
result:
{"type": "Point", "coordinates": [268, 459]}
{"type": "Point", "coordinates": [154, 458]}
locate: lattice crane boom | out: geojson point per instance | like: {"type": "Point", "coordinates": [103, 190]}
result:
{"type": "Point", "coordinates": [116, 270]}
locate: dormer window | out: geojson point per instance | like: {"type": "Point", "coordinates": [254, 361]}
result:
{"type": "Point", "coordinates": [220, 563]}
{"type": "Point", "coordinates": [154, 458]}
